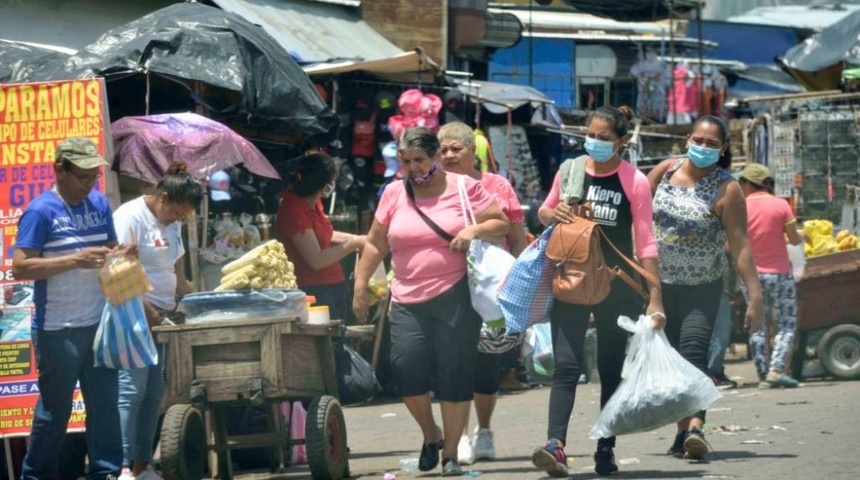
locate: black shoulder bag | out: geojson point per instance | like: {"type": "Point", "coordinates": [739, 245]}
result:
{"type": "Point", "coordinates": [430, 223]}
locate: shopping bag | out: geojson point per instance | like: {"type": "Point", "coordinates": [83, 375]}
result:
{"type": "Point", "coordinates": [658, 386]}
{"type": "Point", "coordinates": [122, 278]}
{"type": "Point", "coordinates": [798, 261]}
{"type": "Point", "coordinates": [356, 380]}
{"type": "Point", "coordinates": [487, 265]}
{"type": "Point", "coordinates": [525, 296]}
{"type": "Point", "coordinates": [537, 354]}
{"type": "Point", "coordinates": [377, 286]}
{"type": "Point", "coordinates": [123, 340]}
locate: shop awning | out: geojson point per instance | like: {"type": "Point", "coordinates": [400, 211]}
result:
{"type": "Point", "coordinates": [500, 97]}
{"type": "Point", "coordinates": [315, 32]}
{"type": "Point", "coordinates": [407, 62]}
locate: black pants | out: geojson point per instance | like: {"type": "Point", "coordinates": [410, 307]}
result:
{"type": "Point", "coordinates": [691, 311]}
{"type": "Point", "coordinates": [568, 324]}
{"type": "Point", "coordinates": [335, 297]}
{"type": "Point", "coordinates": [488, 373]}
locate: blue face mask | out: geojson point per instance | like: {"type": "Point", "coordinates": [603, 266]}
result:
{"type": "Point", "coordinates": [702, 157]}
{"type": "Point", "coordinates": [599, 150]}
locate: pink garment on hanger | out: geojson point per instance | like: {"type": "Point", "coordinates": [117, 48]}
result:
{"type": "Point", "coordinates": [694, 95]}
{"type": "Point", "coordinates": [679, 98]}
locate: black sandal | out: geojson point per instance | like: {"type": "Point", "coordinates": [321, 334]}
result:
{"type": "Point", "coordinates": [429, 458]}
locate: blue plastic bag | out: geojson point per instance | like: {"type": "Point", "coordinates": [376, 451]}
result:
{"type": "Point", "coordinates": [123, 340]}
{"type": "Point", "coordinates": [526, 294]}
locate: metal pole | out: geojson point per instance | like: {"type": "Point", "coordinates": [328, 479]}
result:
{"type": "Point", "coordinates": [674, 101]}
{"type": "Point", "coordinates": [701, 78]}
{"type": "Point", "coordinates": [531, 45]}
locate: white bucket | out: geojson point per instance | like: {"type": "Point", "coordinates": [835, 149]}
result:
{"type": "Point", "coordinates": [318, 315]}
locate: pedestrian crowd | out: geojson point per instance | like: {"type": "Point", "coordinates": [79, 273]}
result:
{"type": "Point", "coordinates": [690, 223]}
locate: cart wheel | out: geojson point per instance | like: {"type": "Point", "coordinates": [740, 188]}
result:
{"type": "Point", "coordinates": [183, 443]}
{"type": "Point", "coordinates": [325, 439]}
{"type": "Point", "coordinates": [839, 352]}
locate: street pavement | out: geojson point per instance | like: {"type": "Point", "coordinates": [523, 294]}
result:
{"type": "Point", "coordinates": [806, 433]}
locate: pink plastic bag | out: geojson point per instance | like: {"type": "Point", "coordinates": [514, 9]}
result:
{"type": "Point", "coordinates": [297, 416]}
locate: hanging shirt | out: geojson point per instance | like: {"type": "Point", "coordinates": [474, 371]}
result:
{"type": "Point", "coordinates": [159, 248]}
{"type": "Point", "coordinates": [690, 237]}
{"type": "Point", "coordinates": [54, 229]}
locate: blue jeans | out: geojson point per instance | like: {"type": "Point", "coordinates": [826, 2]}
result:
{"type": "Point", "coordinates": [721, 336]}
{"type": "Point", "coordinates": [63, 358]}
{"type": "Point", "coordinates": [140, 393]}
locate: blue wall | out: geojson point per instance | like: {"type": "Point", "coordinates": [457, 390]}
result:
{"type": "Point", "coordinates": [751, 44]}
{"type": "Point", "coordinates": [553, 68]}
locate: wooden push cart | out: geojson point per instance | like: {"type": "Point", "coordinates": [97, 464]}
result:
{"type": "Point", "coordinates": [828, 302]}
{"type": "Point", "coordinates": [262, 362]}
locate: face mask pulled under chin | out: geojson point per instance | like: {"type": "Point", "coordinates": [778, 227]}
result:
{"type": "Point", "coordinates": [424, 179]}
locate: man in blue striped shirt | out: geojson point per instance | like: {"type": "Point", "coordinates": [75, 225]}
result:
{"type": "Point", "coordinates": [63, 238]}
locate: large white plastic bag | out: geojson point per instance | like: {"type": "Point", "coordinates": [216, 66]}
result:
{"type": "Point", "coordinates": [487, 267]}
{"type": "Point", "coordinates": [658, 386]}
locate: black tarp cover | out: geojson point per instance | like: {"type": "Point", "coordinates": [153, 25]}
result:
{"type": "Point", "coordinates": [17, 60]}
{"type": "Point", "coordinates": [631, 10]}
{"type": "Point", "coordinates": [191, 41]}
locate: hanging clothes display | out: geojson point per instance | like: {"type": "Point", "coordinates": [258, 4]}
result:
{"type": "Point", "coordinates": [680, 108]}
{"type": "Point", "coordinates": [652, 80]}
{"type": "Point", "coordinates": [511, 149]}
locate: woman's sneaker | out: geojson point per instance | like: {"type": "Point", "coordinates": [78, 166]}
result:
{"type": "Point", "coordinates": [465, 450]}
{"type": "Point", "coordinates": [484, 449]}
{"type": "Point", "coordinates": [780, 380]}
{"type": "Point", "coordinates": [677, 448]}
{"type": "Point", "coordinates": [695, 446]}
{"type": "Point", "coordinates": [551, 459]}
{"type": "Point", "coordinates": [604, 461]}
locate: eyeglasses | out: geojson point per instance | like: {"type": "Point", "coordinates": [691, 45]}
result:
{"type": "Point", "coordinates": [87, 179]}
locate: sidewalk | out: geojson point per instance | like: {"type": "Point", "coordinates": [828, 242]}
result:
{"type": "Point", "coordinates": [809, 430]}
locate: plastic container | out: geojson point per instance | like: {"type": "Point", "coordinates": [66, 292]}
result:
{"type": "Point", "coordinates": [319, 315]}
{"type": "Point", "coordinates": [238, 305]}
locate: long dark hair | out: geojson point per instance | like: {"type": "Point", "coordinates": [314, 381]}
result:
{"type": "Point", "coordinates": [179, 186]}
{"type": "Point", "coordinates": [725, 160]}
{"type": "Point", "coordinates": [311, 173]}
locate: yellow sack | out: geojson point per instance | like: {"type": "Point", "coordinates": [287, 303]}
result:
{"type": "Point", "coordinates": [123, 278]}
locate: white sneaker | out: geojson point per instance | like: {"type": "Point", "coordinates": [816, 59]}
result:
{"type": "Point", "coordinates": [465, 451]}
{"type": "Point", "coordinates": [149, 474]}
{"type": "Point", "coordinates": [125, 474]}
{"type": "Point", "coordinates": [484, 447]}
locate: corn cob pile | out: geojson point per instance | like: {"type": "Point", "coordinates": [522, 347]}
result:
{"type": "Point", "coordinates": [266, 266]}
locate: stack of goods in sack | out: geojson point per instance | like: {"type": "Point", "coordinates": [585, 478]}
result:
{"type": "Point", "coordinates": [266, 266]}
{"type": "Point", "coordinates": [821, 241]}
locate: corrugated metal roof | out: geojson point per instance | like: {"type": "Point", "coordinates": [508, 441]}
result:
{"type": "Point", "coordinates": [616, 38]}
{"type": "Point", "coordinates": [809, 17]}
{"type": "Point", "coordinates": [559, 20]}
{"type": "Point", "coordinates": [313, 31]}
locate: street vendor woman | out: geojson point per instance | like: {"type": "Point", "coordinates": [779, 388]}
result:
{"type": "Point", "coordinates": [64, 236]}
{"type": "Point", "coordinates": [309, 238]}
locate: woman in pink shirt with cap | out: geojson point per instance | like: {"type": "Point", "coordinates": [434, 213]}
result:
{"type": "Point", "coordinates": [434, 329]}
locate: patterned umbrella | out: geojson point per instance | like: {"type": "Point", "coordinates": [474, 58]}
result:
{"type": "Point", "coordinates": [146, 146]}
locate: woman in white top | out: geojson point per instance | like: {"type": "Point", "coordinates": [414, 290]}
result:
{"type": "Point", "coordinates": [153, 222]}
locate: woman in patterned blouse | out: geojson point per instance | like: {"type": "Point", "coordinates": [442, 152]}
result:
{"type": "Point", "coordinates": [698, 207]}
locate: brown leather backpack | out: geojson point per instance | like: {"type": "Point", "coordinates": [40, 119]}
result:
{"type": "Point", "coordinates": [582, 276]}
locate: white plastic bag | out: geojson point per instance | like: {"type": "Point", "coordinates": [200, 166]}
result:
{"type": "Point", "coordinates": [488, 265]}
{"type": "Point", "coordinates": [798, 261]}
{"type": "Point", "coordinates": [658, 386]}
{"type": "Point", "coordinates": [537, 354]}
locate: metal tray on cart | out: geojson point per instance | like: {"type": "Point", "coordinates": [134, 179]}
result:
{"type": "Point", "coordinates": [261, 362]}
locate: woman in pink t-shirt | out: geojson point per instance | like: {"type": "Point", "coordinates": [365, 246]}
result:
{"type": "Point", "coordinates": [457, 148]}
{"type": "Point", "coordinates": [434, 329]}
{"type": "Point", "coordinates": [769, 222]}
